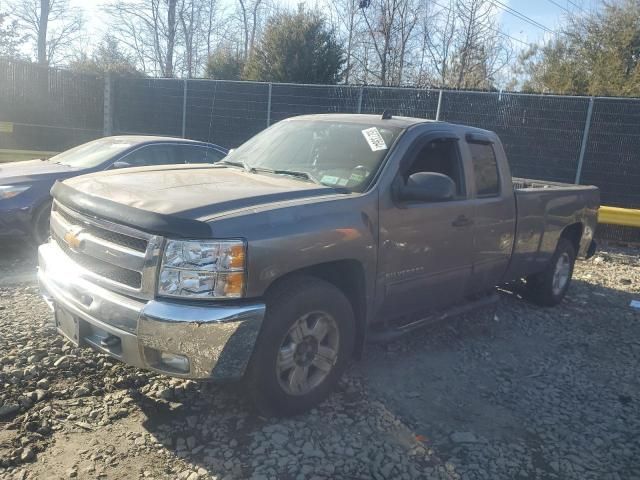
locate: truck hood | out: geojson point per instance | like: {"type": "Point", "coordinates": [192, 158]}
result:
{"type": "Point", "coordinates": [188, 192]}
{"type": "Point", "coordinates": [32, 170]}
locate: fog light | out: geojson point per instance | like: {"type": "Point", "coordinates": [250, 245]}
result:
{"type": "Point", "coordinates": [174, 361]}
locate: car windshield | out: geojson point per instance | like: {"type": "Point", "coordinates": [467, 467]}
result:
{"type": "Point", "coordinates": [333, 153]}
{"type": "Point", "coordinates": [93, 153]}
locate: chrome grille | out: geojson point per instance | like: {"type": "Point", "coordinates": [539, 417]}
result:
{"type": "Point", "coordinates": [118, 257]}
{"type": "Point", "coordinates": [112, 272]}
{"type": "Point", "coordinates": [138, 244]}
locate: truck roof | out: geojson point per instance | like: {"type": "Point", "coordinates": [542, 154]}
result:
{"type": "Point", "coordinates": [377, 120]}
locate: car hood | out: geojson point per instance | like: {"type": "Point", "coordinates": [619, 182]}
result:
{"type": "Point", "coordinates": [194, 192]}
{"type": "Point", "coordinates": [32, 170]}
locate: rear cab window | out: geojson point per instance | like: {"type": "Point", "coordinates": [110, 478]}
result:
{"type": "Point", "coordinates": [485, 169]}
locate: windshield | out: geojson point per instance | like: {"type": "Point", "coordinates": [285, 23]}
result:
{"type": "Point", "coordinates": [336, 154]}
{"type": "Point", "coordinates": [92, 154]}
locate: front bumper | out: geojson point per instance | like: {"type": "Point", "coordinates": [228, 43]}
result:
{"type": "Point", "coordinates": [217, 339]}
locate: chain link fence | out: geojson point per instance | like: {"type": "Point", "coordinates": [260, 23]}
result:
{"type": "Point", "coordinates": [47, 109]}
{"type": "Point", "coordinates": [549, 137]}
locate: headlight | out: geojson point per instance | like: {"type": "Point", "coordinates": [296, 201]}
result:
{"type": "Point", "coordinates": [203, 268]}
{"type": "Point", "coordinates": [10, 191]}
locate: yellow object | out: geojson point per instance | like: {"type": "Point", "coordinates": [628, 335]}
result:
{"type": "Point", "coordinates": [235, 257]}
{"type": "Point", "coordinates": [6, 127]}
{"type": "Point", "coordinates": [18, 155]}
{"type": "Point", "coordinates": [627, 217]}
{"type": "Point", "coordinates": [234, 285]}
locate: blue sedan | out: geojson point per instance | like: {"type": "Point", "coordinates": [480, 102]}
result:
{"type": "Point", "coordinates": [25, 202]}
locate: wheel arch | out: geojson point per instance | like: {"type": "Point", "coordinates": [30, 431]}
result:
{"type": "Point", "coordinates": [348, 276]}
{"type": "Point", "coordinates": [573, 233]}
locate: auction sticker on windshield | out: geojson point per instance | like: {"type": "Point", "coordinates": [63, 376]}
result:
{"type": "Point", "coordinates": [374, 139]}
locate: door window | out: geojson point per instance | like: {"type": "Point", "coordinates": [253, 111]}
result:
{"type": "Point", "coordinates": [151, 155]}
{"type": "Point", "coordinates": [197, 154]}
{"type": "Point", "coordinates": [439, 156]}
{"type": "Point", "coordinates": [485, 168]}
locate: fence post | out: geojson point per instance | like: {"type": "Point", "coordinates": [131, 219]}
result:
{"type": "Point", "coordinates": [107, 121]}
{"type": "Point", "coordinates": [269, 106]}
{"type": "Point", "coordinates": [439, 105]}
{"type": "Point", "coordinates": [360, 99]}
{"type": "Point", "coordinates": [585, 138]}
{"type": "Point", "coordinates": [184, 108]}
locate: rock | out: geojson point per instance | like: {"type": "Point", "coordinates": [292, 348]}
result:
{"type": "Point", "coordinates": [191, 442]}
{"type": "Point", "coordinates": [463, 437]}
{"type": "Point", "coordinates": [8, 409]}
{"type": "Point", "coordinates": [43, 383]}
{"type": "Point", "coordinates": [279, 439]}
{"type": "Point", "coordinates": [82, 391]}
{"type": "Point", "coordinates": [164, 394]}
{"type": "Point", "coordinates": [386, 470]}
{"type": "Point", "coordinates": [27, 455]}
{"type": "Point", "coordinates": [60, 361]}
{"type": "Point", "coordinates": [40, 394]}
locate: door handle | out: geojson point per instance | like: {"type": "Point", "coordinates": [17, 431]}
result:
{"type": "Point", "coordinates": [462, 221]}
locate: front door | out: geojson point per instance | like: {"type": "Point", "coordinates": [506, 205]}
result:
{"type": "Point", "coordinates": [426, 248]}
{"type": "Point", "coordinates": [494, 215]}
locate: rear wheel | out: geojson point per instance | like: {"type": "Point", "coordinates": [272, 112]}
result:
{"type": "Point", "coordinates": [305, 344]}
{"type": "Point", "coordinates": [41, 229]}
{"type": "Point", "coordinates": [550, 286]}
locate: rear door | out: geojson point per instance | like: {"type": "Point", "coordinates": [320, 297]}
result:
{"type": "Point", "coordinates": [494, 211]}
{"type": "Point", "coordinates": [426, 247]}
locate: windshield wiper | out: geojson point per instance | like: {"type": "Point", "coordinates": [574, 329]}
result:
{"type": "Point", "coordinates": [292, 173]}
{"type": "Point", "coordinates": [242, 164]}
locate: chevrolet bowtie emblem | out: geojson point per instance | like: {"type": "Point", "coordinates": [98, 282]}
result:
{"type": "Point", "coordinates": [72, 238]}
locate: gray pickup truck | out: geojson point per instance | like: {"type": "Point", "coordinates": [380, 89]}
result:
{"type": "Point", "coordinates": [275, 265]}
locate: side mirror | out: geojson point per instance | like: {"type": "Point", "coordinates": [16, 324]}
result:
{"type": "Point", "coordinates": [428, 187]}
{"type": "Point", "coordinates": [120, 164]}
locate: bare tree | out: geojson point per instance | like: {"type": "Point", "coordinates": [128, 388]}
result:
{"type": "Point", "coordinates": [10, 36]}
{"type": "Point", "coordinates": [149, 29]}
{"type": "Point", "coordinates": [480, 50]}
{"type": "Point", "coordinates": [210, 13]}
{"type": "Point", "coordinates": [250, 11]}
{"type": "Point", "coordinates": [391, 24]}
{"type": "Point", "coordinates": [438, 29]}
{"type": "Point", "coordinates": [53, 25]}
{"type": "Point", "coordinates": [347, 20]}
{"type": "Point", "coordinates": [189, 15]}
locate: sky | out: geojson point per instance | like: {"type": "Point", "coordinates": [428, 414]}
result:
{"type": "Point", "coordinates": [547, 13]}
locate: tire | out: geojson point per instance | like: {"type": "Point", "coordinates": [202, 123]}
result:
{"type": "Point", "coordinates": [550, 286]}
{"type": "Point", "coordinates": [276, 374]}
{"type": "Point", "coordinates": [41, 229]}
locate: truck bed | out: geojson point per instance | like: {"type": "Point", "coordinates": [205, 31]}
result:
{"type": "Point", "coordinates": [529, 184]}
{"type": "Point", "coordinates": [544, 210]}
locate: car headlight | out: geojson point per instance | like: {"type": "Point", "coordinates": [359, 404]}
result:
{"type": "Point", "coordinates": [203, 269]}
{"type": "Point", "coordinates": [10, 191]}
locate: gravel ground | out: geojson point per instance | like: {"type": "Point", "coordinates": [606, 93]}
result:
{"type": "Point", "coordinates": [516, 393]}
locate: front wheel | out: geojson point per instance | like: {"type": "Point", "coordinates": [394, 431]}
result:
{"type": "Point", "coordinates": [550, 286]}
{"type": "Point", "coordinates": [305, 344]}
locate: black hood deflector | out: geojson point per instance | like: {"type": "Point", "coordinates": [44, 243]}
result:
{"type": "Point", "coordinates": [149, 222]}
